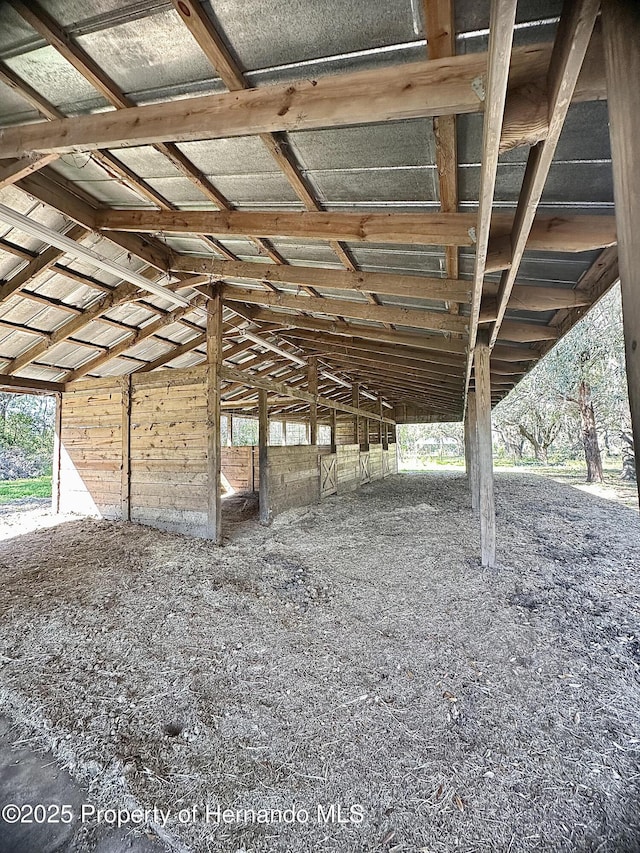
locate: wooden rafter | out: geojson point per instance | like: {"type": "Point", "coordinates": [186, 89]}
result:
{"type": "Point", "coordinates": [441, 43]}
{"type": "Point", "coordinates": [137, 336]}
{"type": "Point", "coordinates": [214, 48]}
{"type": "Point", "coordinates": [502, 17]}
{"type": "Point", "coordinates": [572, 40]}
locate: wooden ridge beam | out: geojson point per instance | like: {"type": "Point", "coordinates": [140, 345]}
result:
{"type": "Point", "coordinates": [563, 232]}
{"type": "Point", "coordinates": [412, 90]}
{"type": "Point", "coordinates": [572, 40]}
{"type": "Point", "coordinates": [419, 319]}
{"type": "Point", "coordinates": [328, 278]}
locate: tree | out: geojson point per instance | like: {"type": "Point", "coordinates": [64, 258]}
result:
{"type": "Point", "coordinates": [575, 392]}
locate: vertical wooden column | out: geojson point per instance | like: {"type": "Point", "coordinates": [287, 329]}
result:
{"type": "Point", "coordinates": [57, 456]}
{"type": "Point", "coordinates": [230, 430]}
{"type": "Point", "coordinates": [366, 431]}
{"type": "Point", "coordinates": [312, 385]}
{"type": "Point", "coordinates": [621, 29]}
{"type": "Point", "coordinates": [471, 443]}
{"type": "Point", "coordinates": [125, 484]}
{"type": "Point", "coordinates": [334, 427]}
{"type": "Point", "coordinates": [355, 401]}
{"type": "Point", "coordinates": [263, 459]}
{"type": "Point", "coordinates": [485, 452]}
{"type": "Point", "coordinates": [384, 437]}
{"type": "Point", "coordinates": [284, 432]}
{"type": "Point", "coordinates": [214, 450]}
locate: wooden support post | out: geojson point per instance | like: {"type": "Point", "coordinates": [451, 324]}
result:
{"type": "Point", "coordinates": [355, 402]}
{"type": "Point", "coordinates": [313, 389]}
{"type": "Point", "coordinates": [284, 433]}
{"type": "Point", "coordinates": [125, 484]}
{"type": "Point", "coordinates": [471, 445]}
{"type": "Point", "coordinates": [230, 430]}
{"type": "Point", "coordinates": [334, 428]}
{"type": "Point", "coordinates": [57, 457]}
{"type": "Point", "coordinates": [485, 452]}
{"type": "Point", "coordinates": [214, 450]}
{"type": "Point", "coordinates": [366, 431]}
{"type": "Point", "coordinates": [263, 459]}
{"type": "Point", "coordinates": [384, 435]}
{"type": "Point", "coordinates": [621, 25]}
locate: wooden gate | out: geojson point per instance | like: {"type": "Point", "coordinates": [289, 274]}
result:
{"type": "Point", "coordinates": [365, 469]}
{"type": "Point", "coordinates": [328, 475]}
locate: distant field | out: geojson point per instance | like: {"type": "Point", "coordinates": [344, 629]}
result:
{"type": "Point", "coordinates": [38, 487]}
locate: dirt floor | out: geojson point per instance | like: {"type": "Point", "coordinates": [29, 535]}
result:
{"type": "Point", "coordinates": [354, 654]}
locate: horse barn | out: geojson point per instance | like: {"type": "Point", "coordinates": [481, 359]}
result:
{"type": "Point", "coordinates": [312, 222]}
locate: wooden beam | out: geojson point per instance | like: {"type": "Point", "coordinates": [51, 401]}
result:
{"type": "Point", "coordinates": [214, 451]}
{"type": "Point", "coordinates": [471, 447]}
{"type": "Point", "coordinates": [413, 90]}
{"type": "Point", "coordinates": [419, 319]}
{"type": "Point", "coordinates": [263, 456]}
{"type": "Point", "coordinates": [23, 385]}
{"type": "Point", "coordinates": [501, 22]}
{"type": "Point", "coordinates": [57, 456]}
{"type": "Point", "coordinates": [594, 283]}
{"type": "Point", "coordinates": [12, 172]}
{"type": "Point", "coordinates": [435, 343]}
{"type": "Point", "coordinates": [328, 278]}
{"type": "Point", "coordinates": [621, 22]}
{"type": "Point", "coordinates": [486, 500]}
{"type": "Point", "coordinates": [527, 298]}
{"type": "Point", "coordinates": [570, 47]}
{"type": "Point", "coordinates": [561, 232]}
{"type": "Point", "coordinates": [312, 385]}
{"type": "Point", "coordinates": [441, 43]}
{"type": "Point", "coordinates": [125, 474]}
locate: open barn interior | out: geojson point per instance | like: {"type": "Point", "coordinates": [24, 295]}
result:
{"type": "Point", "coordinates": [328, 219]}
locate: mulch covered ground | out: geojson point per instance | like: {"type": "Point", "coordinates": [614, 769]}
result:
{"type": "Point", "coordinates": [353, 653]}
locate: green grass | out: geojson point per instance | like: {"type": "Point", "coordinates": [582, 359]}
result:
{"type": "Point", "coordinates": [38, 487]}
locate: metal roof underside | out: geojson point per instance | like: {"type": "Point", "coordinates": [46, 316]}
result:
{"type": "Point", "coordinates": [381, 167]}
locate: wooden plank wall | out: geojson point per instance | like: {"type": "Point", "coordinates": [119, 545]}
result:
{"type": "Point", "coordinates": [294, 476]}
{"type": "Point", "coordinates": [348, 463]}
{"type": "Point", "coordinates": [91, 452]}
{"type": "Point", "coordinates": [240, 467]}
{"type": "Point", "coordinates": [169, 479]}
{"type": "Point", "coordinates": [138, 448]}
